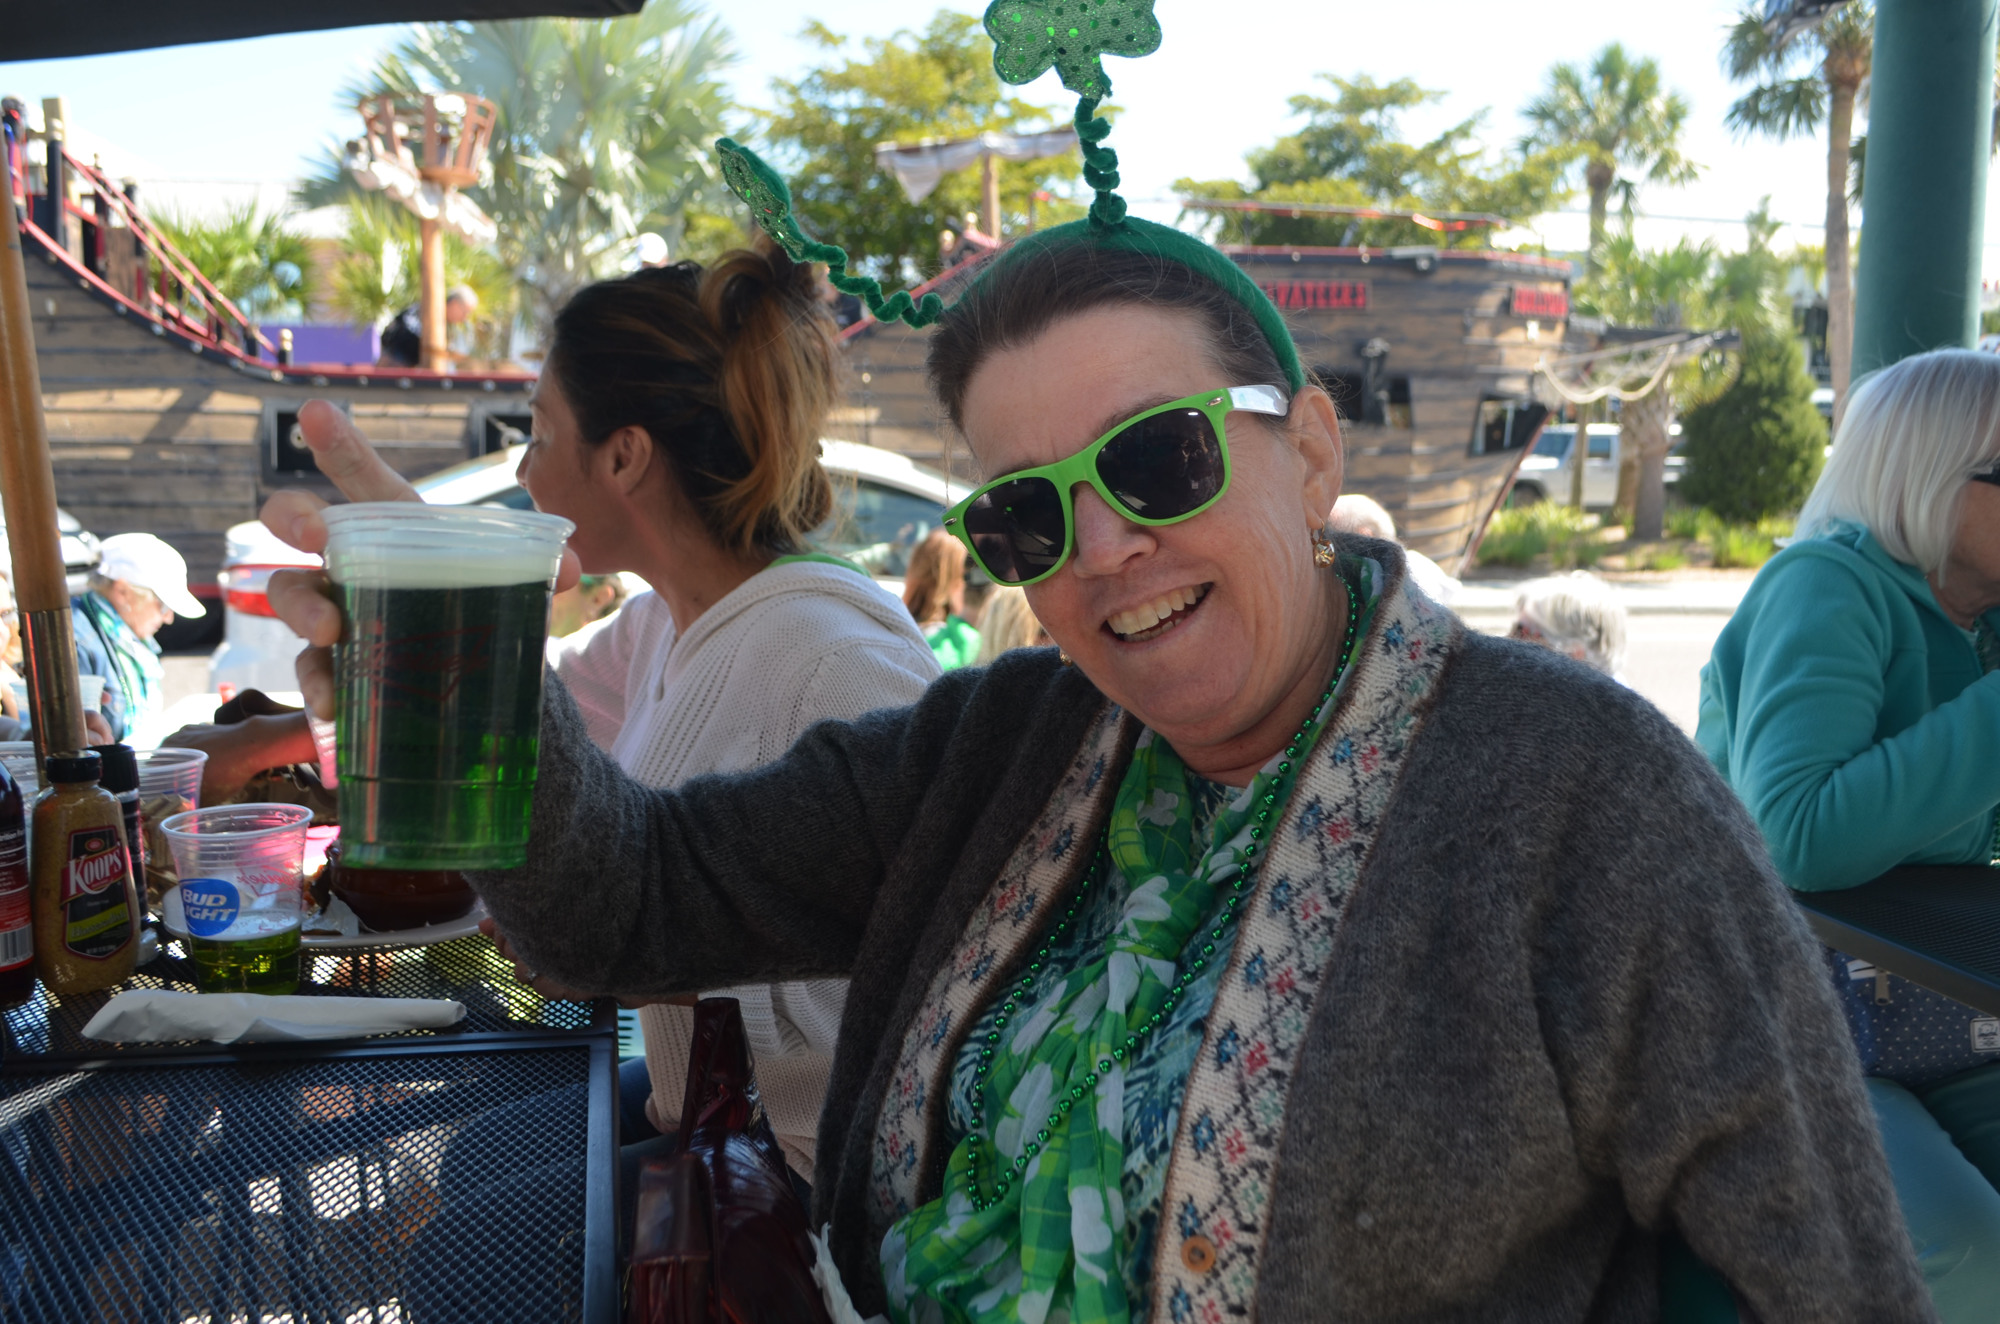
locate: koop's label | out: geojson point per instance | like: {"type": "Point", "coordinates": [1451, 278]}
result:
{"type": "Point", "coordinates": [96, 921]}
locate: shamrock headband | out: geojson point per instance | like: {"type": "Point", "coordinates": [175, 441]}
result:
{"type": "Point", "coordinates": [1030, 37]}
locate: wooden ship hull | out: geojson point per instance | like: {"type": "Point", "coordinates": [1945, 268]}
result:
{"type": "Point", "coordinates": [1430, 354]}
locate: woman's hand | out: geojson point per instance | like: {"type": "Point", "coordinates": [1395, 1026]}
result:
{"type": "Point", "coordinates": [303, 599]}
{"type": "Point", "coordinates": [240, 750]}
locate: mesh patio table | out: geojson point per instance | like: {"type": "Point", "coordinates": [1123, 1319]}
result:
{"type": "Point", "coordinates": [1934, 926]}
{"type": "Point", "coordinates": [452, 1175]}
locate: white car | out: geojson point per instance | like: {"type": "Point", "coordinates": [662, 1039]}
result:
{"type": "Point", "coordinates": [1545, 472]}
{"type": "Point", "coordinates": [884, 505]}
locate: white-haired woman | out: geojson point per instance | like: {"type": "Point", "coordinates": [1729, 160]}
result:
{"type": "Point", "coordinates": [1577, 615]}
{"type": "Point", "coordinates": [1853, 702]}
{"type": "Point", "coordinates": [1364, 515]}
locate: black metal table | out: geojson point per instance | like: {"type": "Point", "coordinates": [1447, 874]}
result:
{"type": "Point", "coordinates": [464, 1174]}
{"type": "Point", "coordinates": [1935, 926]}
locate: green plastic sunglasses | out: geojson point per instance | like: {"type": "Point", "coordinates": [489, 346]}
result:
{"type": "Point", "coordinates": [1165, 465]}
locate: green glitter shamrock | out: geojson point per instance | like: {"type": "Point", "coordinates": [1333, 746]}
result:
{"type": "Point", "coordinates": [1030, 35]}
{"type": "Point", "coordinates": [763, 191]}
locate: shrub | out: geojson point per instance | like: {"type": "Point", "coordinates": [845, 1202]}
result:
{"type": "Point", "coordinates": [1519, 534]}
{"type": "Point", "coordinates": [1684, 521]}
{"type": "Point", "coordinates": [1755, 449]}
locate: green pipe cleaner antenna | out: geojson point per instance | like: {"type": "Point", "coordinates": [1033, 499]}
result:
{"type": "Point", "coordinates": [1029, 38]}
{"type": "Point", "coordinates": [770, 203]}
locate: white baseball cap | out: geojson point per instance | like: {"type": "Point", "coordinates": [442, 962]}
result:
{"type": "Point", "coordinates": [145, 561]}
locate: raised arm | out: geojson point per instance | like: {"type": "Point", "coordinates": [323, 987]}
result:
{"type": "Point", "coordinates": [1803, 750]}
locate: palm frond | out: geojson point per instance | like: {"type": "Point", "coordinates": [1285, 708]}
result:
{"type": "Point", "coordinates": [1783, 110]}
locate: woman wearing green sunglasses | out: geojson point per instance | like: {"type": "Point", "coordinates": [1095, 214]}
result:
{"type": "Point", "coordinates": [1294, 954]}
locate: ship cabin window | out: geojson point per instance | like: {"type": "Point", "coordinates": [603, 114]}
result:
{"type": "Point", "coordinates": [1350, 396]}
{"type": "Point", "coordinates": [1506, 424]}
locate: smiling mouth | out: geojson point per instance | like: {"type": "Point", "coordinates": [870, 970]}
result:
{"type": "Point", "coordinates": [1150, 620]}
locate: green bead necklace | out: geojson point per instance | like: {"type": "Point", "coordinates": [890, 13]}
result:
{"type": "Point", "coordinates": [1241, 887]}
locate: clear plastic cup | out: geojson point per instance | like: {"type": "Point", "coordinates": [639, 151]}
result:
{"type": "Point", "coordinates": [91, 690]}
{"type": "Point", "coordinates": [439, 679]}
{"type": "Point", "coordinates": [171, 771]}
{"type": "Point", "coordinates": [241, 898]}
{"type": "Point", "coordinates": [24, 768]}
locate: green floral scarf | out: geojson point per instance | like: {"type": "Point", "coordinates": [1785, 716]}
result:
{"type": "Point", "coordinates": [1053, 1240]}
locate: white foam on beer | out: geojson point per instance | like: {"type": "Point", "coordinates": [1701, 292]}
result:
{"type": "Point", "coordinates": [467, 548]}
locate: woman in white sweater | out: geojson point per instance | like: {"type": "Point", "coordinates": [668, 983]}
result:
{"type": "Point", "coordinates": [677, 424]}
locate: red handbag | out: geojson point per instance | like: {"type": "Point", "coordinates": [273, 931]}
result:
{"type": "Point", "coordinates": [720, 1236]}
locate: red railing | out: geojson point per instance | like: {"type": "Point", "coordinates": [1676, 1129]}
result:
{"type": "Point", "coordinates": [159, 283]}
{"type": "Point", "coordinates": [156, 280]}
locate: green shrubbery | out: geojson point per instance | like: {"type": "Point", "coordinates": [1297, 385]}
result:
{"type": "Point", "coordinates": [1756, 449]}
{"type": "Point", "coordinates": [1519, 534]}
{"type": "Point", "coordinates": [1744, 544]}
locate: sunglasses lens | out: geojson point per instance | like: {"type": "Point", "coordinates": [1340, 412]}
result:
{"type": "Point", "coordinates": [1017, 529]}
{"type": "Point", "coordinates": [1165, 466]}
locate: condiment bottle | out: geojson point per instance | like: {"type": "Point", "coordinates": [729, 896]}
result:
{"type": "Point", "coordinates": [86, 909]}
{"type": "Point", "coordinates": [17, 934]}
{"type": "Point", "coordinates": [121, 778]}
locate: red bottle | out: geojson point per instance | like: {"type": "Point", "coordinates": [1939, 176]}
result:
{"type": "Point", "coordinates": [17, 934]}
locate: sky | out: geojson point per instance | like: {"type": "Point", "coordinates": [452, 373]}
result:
{"type": "Point", "coordinates": [200, 125]}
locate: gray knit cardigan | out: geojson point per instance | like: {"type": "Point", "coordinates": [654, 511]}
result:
{"type": "Point", "coordinates": [1564, 1006]}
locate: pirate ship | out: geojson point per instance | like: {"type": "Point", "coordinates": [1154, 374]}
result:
{"type": "Point", "coordinates": [1430, 353]}
{"type": "Point", "coordinates": [168, 411]}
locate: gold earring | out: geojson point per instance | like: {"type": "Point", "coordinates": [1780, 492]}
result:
{"type": "Point", "coordinates": [1067, 660]}
{"type": "Point", "coordinates": [1323, 549]}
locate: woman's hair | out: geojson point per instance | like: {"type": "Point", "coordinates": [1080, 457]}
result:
{"type": "Point", "coordinates": [1024, 294]}
{"type": "Point", "coordinates": [937, 569]}
{"type": "Point", "coordinates": [1008, 623]}
{"type": "Point", "coordinates": [1912, 435]}
{"type": "Point", "coordinates": [730, 369]}
{"type": "Point", "coordinates": [1576, 611]}
{"type": "Point", "coordinates": [1363, 515]}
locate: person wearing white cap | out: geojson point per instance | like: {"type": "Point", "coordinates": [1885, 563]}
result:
{"type": "Point", "coordinates": [139, 585]}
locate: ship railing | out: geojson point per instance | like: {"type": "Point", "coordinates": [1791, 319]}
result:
{"type": "Point", "coordinates": [161, 285]}
{"type": "Point", "coordinates": [158, 282]}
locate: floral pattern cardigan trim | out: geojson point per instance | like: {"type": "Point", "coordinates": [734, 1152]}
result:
{"type": "Point", "coordinates": [1226, 1146]}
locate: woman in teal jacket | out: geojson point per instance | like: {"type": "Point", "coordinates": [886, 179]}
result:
{"type": "Point", "coordinates": [1854, 704]}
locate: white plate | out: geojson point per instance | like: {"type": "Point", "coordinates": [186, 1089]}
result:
{"type": "Point", "coordinates": [463, 927]}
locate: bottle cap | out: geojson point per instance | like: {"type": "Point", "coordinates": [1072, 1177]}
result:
{"type": "Point", "coordinates": [72, 768]}
{"type": "Point", "coordinates": [121, 768]}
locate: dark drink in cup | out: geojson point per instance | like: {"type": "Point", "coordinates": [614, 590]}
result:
{"type": "Point", "coordinates": [439, 677]}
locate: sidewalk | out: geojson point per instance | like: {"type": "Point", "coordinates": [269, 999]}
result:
{"type": "Point", "coordinates": [1700, 593]}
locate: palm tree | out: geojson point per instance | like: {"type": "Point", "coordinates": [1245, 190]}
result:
{"type": "Point", "coordinates": [376, 273]}
{"type": "Point", "coordinates": [604, 130]}
{"type": "Point", "coordinates": [1627, 127]}
{"type": "Point", "coordinates": [1668, 289]}
{"type": "Point", "coordinates": [1815, 78]}
{"type": "Point", "coordinates": [260, 266]}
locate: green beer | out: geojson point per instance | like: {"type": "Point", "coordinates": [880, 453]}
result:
{"type": "Point", "coordinates": [439, 680]}
{"type": "Point", "coordinates": [267, 962]}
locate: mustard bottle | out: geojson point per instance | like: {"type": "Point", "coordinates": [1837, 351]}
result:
{"type": "Point", "coordinates": [86, 907]}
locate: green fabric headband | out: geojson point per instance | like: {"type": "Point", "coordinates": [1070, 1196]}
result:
{"type": "Point", "coordinates": [1029, 38]}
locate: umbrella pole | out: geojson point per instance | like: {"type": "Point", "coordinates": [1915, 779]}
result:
{"type": "Point", "coordinates": [28, 495]}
